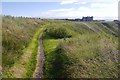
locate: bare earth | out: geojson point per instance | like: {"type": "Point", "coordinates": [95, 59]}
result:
{"type": "Point", "coordinates": [40, 60]}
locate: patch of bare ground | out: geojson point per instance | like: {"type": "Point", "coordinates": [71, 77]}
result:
{"type": "Point", "coordinates": [40, 60]}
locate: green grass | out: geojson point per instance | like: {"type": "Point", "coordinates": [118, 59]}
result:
{"type": "Point", "coordinates": [50, 46]}
{"type": "Point", "coordinates": [32, 63]}
{"type": "Point", "coordinates": [85, 55]}
{"type": "Point", "coordinates": [56, 60]}
{"type": "Point", "coordinates": [16, 35]}
{"type": "Point", "coordinates": [27, 62]}
{"type": "Point", "coordinates": [21, 45]}
{"type": "Point", "coordinates": [57, 32]}
{"type": "Point", "coordinates": [90, 52]}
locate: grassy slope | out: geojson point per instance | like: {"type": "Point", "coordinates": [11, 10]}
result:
{"type": "Point", "coordinates": [26, 65]}
{"type": "Point", "coordinates": [17, 37]}
{"type": "Point", "coordinates": [16, 34]}
{"type": "Point", "coordinates": [94, 56]}
{"type": "Point", "coordinates": [50, 45]}
{"type": "Point", "coordinates": [87, 53]}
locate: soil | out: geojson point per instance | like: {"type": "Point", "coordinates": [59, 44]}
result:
{"type": "Point", "coordinates": [40, 60]}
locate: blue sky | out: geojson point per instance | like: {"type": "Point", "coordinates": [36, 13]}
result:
{"type": "Point", "coordinates": [100, 9]}
{"type": "Point", "coordinates": [27, 8]}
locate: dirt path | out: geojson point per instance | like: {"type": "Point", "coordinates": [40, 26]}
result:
{"type": "Point", "coordinates": [40, 60]}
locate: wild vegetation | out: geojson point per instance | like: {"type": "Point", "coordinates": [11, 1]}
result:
{"type": "Point", "coordinates": [17, 34]}
{"type": "Point", "coordinates": [57, 32]}
{"type": "Point", "coordinates": [72, 49]}
{"type": "Point", "coordinates": [90, 52]}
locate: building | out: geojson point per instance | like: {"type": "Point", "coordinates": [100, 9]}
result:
{"type": "Point", "coordinates": [87, 18]}
{"type": "Point", "coordinates": [83, 19]}
{"type": "Point", "coordinates": [117, 22]}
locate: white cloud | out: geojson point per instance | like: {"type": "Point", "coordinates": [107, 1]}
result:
{"type": "Point", "coordinates": [98, 5]}
{"type": "Point", "coordinates": [67, 13]}
{"type": "Point", "coordinates": [61, 10]}
{"type": "Point", "coordinates": [104, 5]}
{"type": "Point", "coordinates": [86, 1]}
{"type": "Point", "coordinates": [73, 2]}
{"type": "Point", "coordinates": [58, 13]}
{"type": "Point", "coordinates": [98, 10]}
{"type": "Point", "coordinates": [83, 2]}
{"type": "Point", "coordinates": [69, 1]}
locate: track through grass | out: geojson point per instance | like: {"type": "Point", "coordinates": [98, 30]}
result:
{"type": "Point", "coordinates": [26, 64]}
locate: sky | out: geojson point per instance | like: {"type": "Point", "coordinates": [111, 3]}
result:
{"type": "Point", "coordinates": [99, 9]}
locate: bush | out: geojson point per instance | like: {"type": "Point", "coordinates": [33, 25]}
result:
{"type": "Point", "coordinates": [57, 32]}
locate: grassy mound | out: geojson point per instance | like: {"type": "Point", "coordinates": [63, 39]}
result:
{"type": "Point", "coordinates": [91, 52]}
{"type": "Point", "coordinates": [92, 58]}
{"type": "Point", "coordinates": [57, 32]}
{"type": "Point", "coordinates": [56, 63]}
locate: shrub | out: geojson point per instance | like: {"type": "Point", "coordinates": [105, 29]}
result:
{"type": "Point", "coordinates": [57, 32]}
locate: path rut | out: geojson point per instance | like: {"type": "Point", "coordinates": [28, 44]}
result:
{"type": "Point", "coordinates": [40, 60]}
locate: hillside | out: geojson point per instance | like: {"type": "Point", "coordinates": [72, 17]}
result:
{"type": "Point", "coordinates": [90, 52]}
{"type": "Point", "coordinates": [17, 34]}
{"type": "Point", "coordinates": [71, 49]}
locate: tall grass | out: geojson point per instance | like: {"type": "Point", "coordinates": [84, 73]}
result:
{"type": "Point", "coordinates": [84, 55]}
{"type": "Point", "coordinates": [72, 49]}
{"type": "Point", "coordinates": [17, 33]}
{"type": "Point", "coordinates": [94, 55]}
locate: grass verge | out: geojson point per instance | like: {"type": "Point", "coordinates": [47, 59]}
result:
{"type": "Point", "coordinates": [26, 64]}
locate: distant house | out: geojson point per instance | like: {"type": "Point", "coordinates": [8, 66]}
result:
{"type": "Point", "coordinates": [87, 18]}
{"type": "Point", "coordinates": [83, 19]}
{"type": "Point", "coordinates": [117, 22]}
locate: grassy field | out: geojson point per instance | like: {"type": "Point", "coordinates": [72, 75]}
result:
{"type": "Point", "coordinates": [19, 42]}
{"type": "Point", "coordinates": [72, 49]}
{"type": "Point", "coordinates": [90, 52]}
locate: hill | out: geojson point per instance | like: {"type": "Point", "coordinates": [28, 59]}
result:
{"type": "Point", "coordinates": [90, 52]}
{"type": "Point", "coordinates": [17, 34]}
{"type": "Point", "coordinates": [72, 49]}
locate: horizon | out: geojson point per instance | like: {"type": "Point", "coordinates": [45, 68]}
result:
{"type": "Point", "coordinates": [64, 9]}
{"type": "Point", "coordinates": [59, 18]}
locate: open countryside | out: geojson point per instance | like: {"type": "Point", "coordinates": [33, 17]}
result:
{"type": "Point", "coordinates": [59, 48]}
